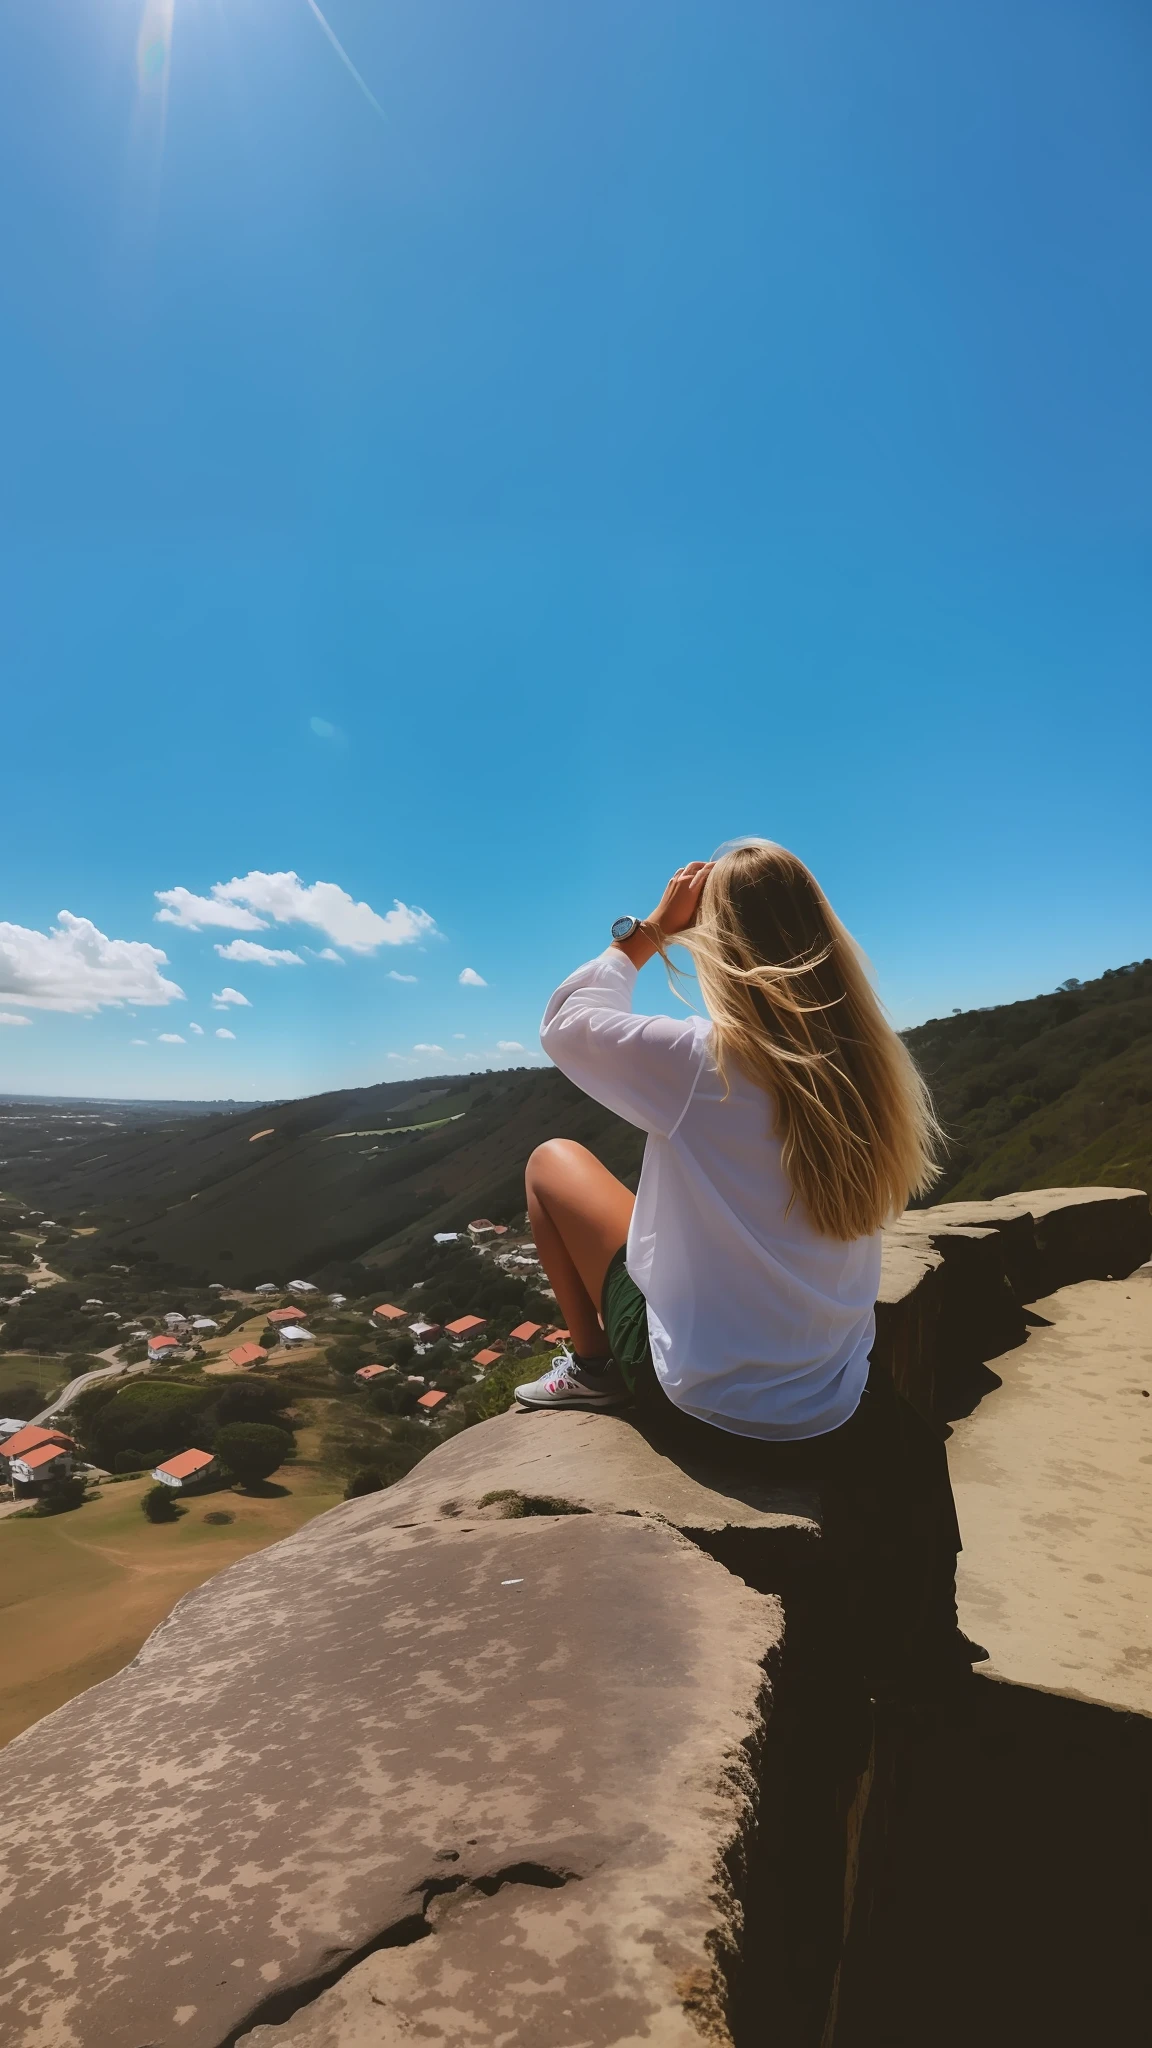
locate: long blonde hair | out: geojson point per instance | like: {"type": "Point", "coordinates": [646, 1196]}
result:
{"type": "Point", "coordinates": [789, 996]}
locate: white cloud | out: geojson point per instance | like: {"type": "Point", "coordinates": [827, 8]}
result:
{"type": "Point", "coordinates": [459, 1034]}
{"type": "Point", "coordinates": [190, 912]}
{"type": "Point", "coordinates": [251, 902]}
{"type": "Point", "coordinates": [223, 1033]}
{"type": "Point", "coordinates": [198, 1029]}
{"type": "Point", "coordinates": [508, 1045]}
{"type": "Point", "coordinates": [171, 1038]}
{"type": "Point", "coordinates": [230, 995]}
{"type": "Point", "coordinates": [330, 953]}
{"type": "Point", "coordinates": [7, 1017]}
{"type": "Point", "coordinates": [397, 1056]}
{"type": "Point", "coordinates": [470, 979]}
{"type": "Point", "coordinates": [259, 956]}
{"type": "Point", "coordinates": [137, 1041]}
{"type": "Point", "coordinates": [427, 1048]}
{"type": "Point", "coordinates": [393, 976]}
{"type": "Point", "coordinates": [74, 967]}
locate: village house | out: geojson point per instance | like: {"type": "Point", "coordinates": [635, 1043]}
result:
{"type": "Point", "coordinates": [42, 1463]}
{"type": "Point", "coordinates": [187, 1469]}
{"type": "Point", "coordinates": [487, 1358]}
{"type": "Point", "coordinates": [27, 1437]}
{"type": "Point", "coordinates": [295, 1334]}
{"type": "Point", "coordinates": [160, 1348]}
{"type": "Point", "coordinates": [424, 1333]}
{"type": "Point", "coordinates": [266, 1287]}
{"type": "Point", "coordinates": [483, 1227]}
{"type": "Point", "coordinates": [465, 1329]}
{"type": "Point", "coordinates": [445, 1237]}
{"type": "Point", "coordinates": [302, 1287]}
{"type": "Point", "coordinates": [204, 1326]}
{"type": "Point", "coordinates": [276, 1316]}
{"type": "Point", "coordinates": [247, 1355]}
{"type": "Point", "coordinates": [431, 1401]}
{"type": "Point", "coordinates": [368, 1373]}
{"type": "Point", "coordinates": [388, 1313]}
{"type": "Point", "coordinates": [524, 1335]}
{"type": "Point", "coordinates": [337, 1300]}
{"type": "Point", "coordinates": [175, 1320]}
{"type": "Point", "coordinates": [10, 1426]}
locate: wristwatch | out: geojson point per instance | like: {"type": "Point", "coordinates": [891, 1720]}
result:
{"type": "Point", "coordinates": [625, 926]}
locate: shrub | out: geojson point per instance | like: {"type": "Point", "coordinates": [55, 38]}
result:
{"type": "Point", "coordinates": [250, 1400]}
{"type": "Point", "coordinates": [159, 1505]}
{"type": "Point", "coordinates": [363, 1482]}
{"type": "Point", "coordinates": [62, 1496]}
{"type": "Point", "coordinates": [140, 1417]}
{"type": "Point", "coordinates": [219, 1515]}
{"type": "Point", "coordinates": [252, 1451]}
{"type": "Point", "coordinates": [138, 1461]}
{"type": "Point", "coordinates": [497, 1390]}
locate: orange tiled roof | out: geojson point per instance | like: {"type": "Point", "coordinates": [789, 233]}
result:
{"type": "Point", "coordinates": [464, 1326]}
{"type": "Point", "coordinates": [486, 1358]}
{"type": "Point", "coordinates": [283, 1315]}
{"type": "Point", "coordinates": [524, 1332]}
{"type": "Point", "coordinates": [370, 1372]}
{"type": "Point", "coordinates": [28, 1438]}
{"type": "Point", "coordinates": [185, 1463]}
{"type": "Point", "coordinates": [43, 1454]}
{"type": "Point", "coordinates": [386, 1308]}
{"type": "Point", "coordinates": [247, 1354]}
{"type": "Point", "coordinates": [165, 1343]}
{"type": "Point", "coordinates": [433, 1399]}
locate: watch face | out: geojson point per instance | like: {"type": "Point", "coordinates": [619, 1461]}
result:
{"type": "Point", "coordinates": [623, 927]}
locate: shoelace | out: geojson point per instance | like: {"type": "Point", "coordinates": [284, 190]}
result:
{"type": "Point", "coordinates": [563, 1371]}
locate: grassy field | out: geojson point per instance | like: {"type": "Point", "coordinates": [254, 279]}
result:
{"type": "Point", "coordinates": [25, 1369]}
{"type": "Point", "coordinates": [79, 1593]}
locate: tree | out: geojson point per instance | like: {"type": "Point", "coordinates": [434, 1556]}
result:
{"type": "Point", "coordinates": [158, 1504]}
{"type": "Point", "coordinates": [252, 1451]}
{"type": "Point", "coordinates": [62, 1495]}
{"type": "Point", "coordinates": [363, 1482]}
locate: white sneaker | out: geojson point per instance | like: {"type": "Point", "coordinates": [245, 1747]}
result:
{"type": "Point", "coordinates": [564, 1386]}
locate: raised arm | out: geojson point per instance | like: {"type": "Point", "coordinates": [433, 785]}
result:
{"type": "Point", "coordinates": [643, 1068]}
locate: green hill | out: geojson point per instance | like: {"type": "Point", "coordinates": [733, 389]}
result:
{"type": "Point", "coordinates": [1052, 1092]}
{"type": "Point", "coordinates": [1049, 1092]}
{"type": "Point", "coordinates": [291, 1189]}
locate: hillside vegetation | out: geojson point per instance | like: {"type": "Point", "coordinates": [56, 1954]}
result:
{"type": "Point", "coordinates": [1052, 1091]}
{"type": "Point", "coordinates": [302, 1188]}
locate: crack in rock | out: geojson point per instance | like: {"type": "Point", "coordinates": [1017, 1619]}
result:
{"type": "Point", "coordinates": [283, 2005]}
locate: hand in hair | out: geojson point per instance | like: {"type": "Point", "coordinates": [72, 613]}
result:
{"type": "Point", "coordinates": [676, 911]}
{"type": "Point", "coordinates": [679, 906]}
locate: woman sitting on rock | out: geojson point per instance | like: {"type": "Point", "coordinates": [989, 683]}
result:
{"type": "Point", "coordinates": [732, 1299]}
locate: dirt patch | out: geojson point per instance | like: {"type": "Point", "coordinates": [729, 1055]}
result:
{"type": "Point", "coordinates": [80, 1593]}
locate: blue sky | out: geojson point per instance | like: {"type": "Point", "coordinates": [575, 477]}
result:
{"type": "Point", "coordinates": [669, 419]}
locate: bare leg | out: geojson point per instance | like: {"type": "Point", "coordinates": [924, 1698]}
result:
{"type": "Point", "coordinates": [580, 1215]}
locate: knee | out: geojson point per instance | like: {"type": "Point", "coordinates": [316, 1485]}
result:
{"type": "Point", "coordinates": [551, 1159]}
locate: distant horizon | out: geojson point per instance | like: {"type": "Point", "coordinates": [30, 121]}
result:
{"type": "Point", "coordinates": [436, 1073]}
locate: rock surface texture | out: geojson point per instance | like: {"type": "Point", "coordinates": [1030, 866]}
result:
{"type": "Point", "coordinates": [1053, 1476]}
{"type": "Point", "coordinates": [477, 1760]}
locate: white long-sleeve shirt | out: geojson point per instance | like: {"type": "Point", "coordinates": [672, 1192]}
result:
{"type": "Point", "coordinates": [758, 1324]}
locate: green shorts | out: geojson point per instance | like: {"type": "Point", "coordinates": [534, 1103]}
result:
{"type": "Point", "coordinates": [624, 1313]}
